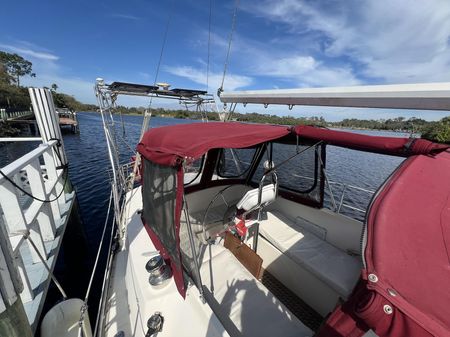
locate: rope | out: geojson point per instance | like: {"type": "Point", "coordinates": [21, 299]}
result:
{"type": "Point", "coordinates": [209, 44]}
{"type": "Point", "coordinates": [233, 26]}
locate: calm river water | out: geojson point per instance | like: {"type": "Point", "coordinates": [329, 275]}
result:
{"type": "Point", "coordinates": [88, 166]}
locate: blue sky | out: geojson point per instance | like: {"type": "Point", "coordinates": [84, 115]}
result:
{"type": "Point", "coordinates": [277, 44]}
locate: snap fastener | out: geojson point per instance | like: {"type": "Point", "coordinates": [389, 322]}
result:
{"type": "Point", "coordinates": [388, 309]}
{"type": "Point", "coordinates": [373, 278]}
{"type": "Point", "coordinates": [392, 292]}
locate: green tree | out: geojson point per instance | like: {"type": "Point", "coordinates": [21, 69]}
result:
{"type": "Point", "coordinates": [5, 78]}
{"type": "Point", "coordinates": [54, 87]}
{"type": "Point", "coordinates": [438, 131]}
{"type": "Point", "coordinates": [16, 66]}
{"type": "Point", "coordinates": [13, 97]}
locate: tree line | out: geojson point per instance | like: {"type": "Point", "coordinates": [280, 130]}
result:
{"type": "Point", "coordinates": [13, 96]}
{"type": "Point", "coordinates": [438, 131]}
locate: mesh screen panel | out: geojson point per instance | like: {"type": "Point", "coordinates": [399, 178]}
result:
{"type": "Point", "coordinates": [159, 190]}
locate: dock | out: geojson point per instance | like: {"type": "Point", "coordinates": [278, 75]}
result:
{"type": "Point", "coordinates": [35, 207]}
{"type": "Point", "coordinates": [67, 119]}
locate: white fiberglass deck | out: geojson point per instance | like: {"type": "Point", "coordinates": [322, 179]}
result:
{"type": "Point", "coordinates": [239, 296]}
{"type": "Point", "coordinates": [132, 300]}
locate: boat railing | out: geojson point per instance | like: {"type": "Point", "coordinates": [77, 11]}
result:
{"type": "Point", "coordinates": [10, 115]}
{"type": "Point", "coordinates": [33, 211]}
{"type": "Point", "coordinates": [124, 175]}
{"type": "Point", "coordinates": [66, 113]}
{"type": "Point", "coordinates": [345, 188]}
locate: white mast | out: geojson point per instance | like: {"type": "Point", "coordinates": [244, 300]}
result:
{"type": "Point", "coordinates": [423, 96]}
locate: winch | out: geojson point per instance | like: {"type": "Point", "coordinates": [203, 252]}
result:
{"type": "Point", "coordinates": [160, 273]}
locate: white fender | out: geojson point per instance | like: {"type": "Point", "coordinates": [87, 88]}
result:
{"type": "Point", "coordinates": [62, 320]}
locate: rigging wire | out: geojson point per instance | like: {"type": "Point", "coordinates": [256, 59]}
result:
{"type": "Point", "coordinates": [169, 18]}
{"type": "Point", "coordinates": [230, 38]}
{"type": "Point", "coordinates": [148, 113]}
{"type": "Point", "coordinates": [209, 45]}
{"type": "Point", "coordinates": [99, 250]}
{"type": "Point", "coordinates": [84, 307]}
{"type": "Point", "coordinates": [100, 317]}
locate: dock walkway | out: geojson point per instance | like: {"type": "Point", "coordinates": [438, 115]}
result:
{"type": "Point", "coordinates": [67, 118]}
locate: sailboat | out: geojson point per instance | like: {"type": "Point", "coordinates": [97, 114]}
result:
{"type": "Point", "coordinates": [222, 229]}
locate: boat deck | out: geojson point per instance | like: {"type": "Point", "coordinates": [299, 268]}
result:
{"type": "Point", "coordinates": [128, 306]}
{"type": "Point", "coordinates": [311, 318]}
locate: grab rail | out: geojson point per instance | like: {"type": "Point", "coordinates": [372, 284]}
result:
{"type": "Point", "coordinates": [345, 188]}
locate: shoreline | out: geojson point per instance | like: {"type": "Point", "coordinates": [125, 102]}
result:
{"type": "Point", "coordinates": [327, 124]}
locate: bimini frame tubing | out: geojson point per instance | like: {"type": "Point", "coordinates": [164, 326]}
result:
{"type": "Point", "coordinates": [260, 204]}
{"type": "Point", "coordinates": [107, 95]}
{"type": "Point", "coordinates": [194, 252]}
{"type": "Point", "coordinates": [423, 96]}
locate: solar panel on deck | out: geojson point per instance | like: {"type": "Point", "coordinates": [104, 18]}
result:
{"type": "Point", "coordinates": [132, 88]}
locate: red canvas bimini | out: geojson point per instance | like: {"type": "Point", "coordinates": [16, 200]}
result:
{"type": "Point", "coordinates": [404, 284]}
{"type": "Point", "coordinates": [173, 144]}
{"type": "Point", "coordinates": [165, 150]}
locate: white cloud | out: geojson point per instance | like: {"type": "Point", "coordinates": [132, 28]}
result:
{"type": "Point", "coordinates": [232, 81]}
{"type": "Point", "coordinates": [125, 16]}
{"type": "Point", "coordinates": [295, 67]}
{"type": "Point", "coordinates": [81, 89]}
{"type": "Point", "coordinates": [48, 70]}
{"type": "Point", "coordinates": [30, 52]}
{"type": "Point", "coordinates": [306, 71]}
{"type": "Point", "coordinates": [394, 41]}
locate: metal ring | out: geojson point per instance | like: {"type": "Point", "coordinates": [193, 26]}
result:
{"type": "Point", "coordinates": [373, 278]}
{"type": "Point", "coordinates": [388, 309]}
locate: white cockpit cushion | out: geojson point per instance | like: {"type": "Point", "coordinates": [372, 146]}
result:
{"type": "Point", "coordinates": [306, 225]}
{"type": "Point", "coordinates": [328, 263]}
{"type": "Point", "coordinates": [250, 199]}
{"type": "Point", "coordinates": [253, 309]}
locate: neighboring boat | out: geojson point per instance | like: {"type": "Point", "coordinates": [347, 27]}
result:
{"type": "Point", "coordinates": [68, 119]}
{"type": "Point", "coordinates": [221, 229]}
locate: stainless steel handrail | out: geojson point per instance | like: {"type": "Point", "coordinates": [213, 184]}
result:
{"type": "Point", "coordinates": [345, 187]}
